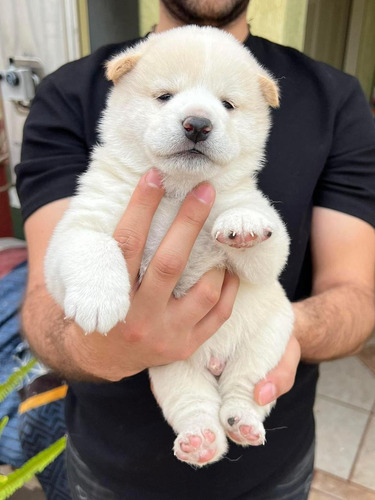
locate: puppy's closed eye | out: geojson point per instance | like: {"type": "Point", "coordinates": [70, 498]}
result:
{"type": "Point", "coordinates": [165, 97]}
{"type": "Point", "coordinates": [228, 105]}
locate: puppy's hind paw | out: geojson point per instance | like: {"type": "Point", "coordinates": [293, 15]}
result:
{"type": "Point", "coordinates": [243, 426]}
{"type": "Point", "coordinates": [200, 447]}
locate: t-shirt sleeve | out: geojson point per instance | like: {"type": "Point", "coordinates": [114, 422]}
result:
{"type": "Point", "coordinates": [54, 149]}
{"type": "Point", "coordinates": [347, 183]}
{"type": "Point", "coordinates": [61, 129]}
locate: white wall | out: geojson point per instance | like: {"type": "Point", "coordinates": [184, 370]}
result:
{"type": "Point", "coordinates": [46, 29]}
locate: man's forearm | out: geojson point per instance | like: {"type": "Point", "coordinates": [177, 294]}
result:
{"type": "Point", "coordinates": [46, 331]}
{"type": "Point", "coordinates": [334, 323]}
{"type": "Point", "coordinates": [329, 325]}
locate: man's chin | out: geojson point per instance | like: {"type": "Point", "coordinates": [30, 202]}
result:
{"type": "Point", "coordinates": [210, 13]}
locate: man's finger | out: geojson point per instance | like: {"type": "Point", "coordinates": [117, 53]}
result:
{"type": "Point", "coordinates": [221, 312]}
{"type": "Point", "coordinates": [132, 230]}
{"type": "Point", "coordinates": [172, 255]}
{"type": "Point", "coordinates": [281, 379]}
{"type": "Point", "coordinates": [201, 298]}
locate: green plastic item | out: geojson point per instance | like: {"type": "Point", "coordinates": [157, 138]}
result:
{"type": "Point", "coordinates": [14, 379]}
{"type": "Point", "coordinates": [11, 483]}
{"type": "Point", "coordinates": [3, 423]}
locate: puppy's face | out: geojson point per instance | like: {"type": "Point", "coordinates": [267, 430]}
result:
{"type": "Point", "coordinates": [193, 101]}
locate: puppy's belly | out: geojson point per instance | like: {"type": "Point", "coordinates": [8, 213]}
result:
{"type": "Point", "coordinates": [260, 326]}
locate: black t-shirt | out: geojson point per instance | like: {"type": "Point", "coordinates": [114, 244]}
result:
{"type": "Point", "coordinates": [321, 152]}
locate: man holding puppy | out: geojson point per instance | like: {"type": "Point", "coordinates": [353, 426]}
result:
{"type": "Point", "coordinates": [320, 170]}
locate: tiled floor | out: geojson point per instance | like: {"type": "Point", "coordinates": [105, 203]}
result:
{"type": "Point", "coordinates": [345, 418]}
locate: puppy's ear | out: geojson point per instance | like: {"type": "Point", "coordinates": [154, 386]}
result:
{"type": "Point", "coordinates": [122, 63]}
{"type": "Point", "coordinates": [269, 90]}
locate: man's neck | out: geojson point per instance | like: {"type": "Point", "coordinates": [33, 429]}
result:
{"type": "Point", "coordinates": [238, 28]}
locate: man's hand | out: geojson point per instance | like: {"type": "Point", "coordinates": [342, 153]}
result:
{"type": "Point", "coordinates": [281, 379]}
{"type": "Point", "coordinates": [159, 329]}
{"type": "Point", "coordinates": [336, 320]}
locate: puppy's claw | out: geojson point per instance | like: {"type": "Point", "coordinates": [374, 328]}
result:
{"type": "Point", "coordinates": [243, 239]}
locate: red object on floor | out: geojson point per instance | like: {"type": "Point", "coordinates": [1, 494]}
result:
{"type": "Point", "coordinates": [11, 258]}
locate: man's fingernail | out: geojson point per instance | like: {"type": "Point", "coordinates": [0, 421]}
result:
{"type": "Point", "coordinates": [267, 394]}
{"type": "Point", "coordinates": [153, 178]}
{"type": "Point", "coordinates": [205, 193]}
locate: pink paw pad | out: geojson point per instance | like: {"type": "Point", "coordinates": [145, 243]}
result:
{"type": "Point", "coordinates": [196, 449]}
{"type": "Point", "coordinates": [209, 435]}
{"type": "Point", "coordinates": [243, 240]}
{"type": "Point", "coordinates": [192, 444]}
{"type": "Point", "coordinates": [245, 434]}
{"type": "Point", "coordinates": [205, 456]}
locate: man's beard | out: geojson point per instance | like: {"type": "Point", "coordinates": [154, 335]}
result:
{"type": "Point", "coordinates": [206, 12]}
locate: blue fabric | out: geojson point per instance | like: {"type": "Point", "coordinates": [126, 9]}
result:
{"type": "Point", "coordinates": [38, 429]}
{"type": "Point", "coordinates": [12, 288]}
{"type": "Point", "coordinates": [28, 433]}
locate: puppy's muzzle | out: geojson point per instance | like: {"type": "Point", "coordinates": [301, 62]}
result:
{"type": "Point", "coordinates": [196, 128]}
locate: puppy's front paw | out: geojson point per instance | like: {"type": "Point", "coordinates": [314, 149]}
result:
{"type": "Point", "coordinates": [242, 228]}
{"type": "Point", "coordinates": [243, 240]}
{"type": "Point", "coordinates": [97, 308]}
{"type": "Point", "coordinates": [89, 279]}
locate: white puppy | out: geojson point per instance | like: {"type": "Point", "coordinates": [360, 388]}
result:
{"type": "Point", "coordinates": [194, 103]}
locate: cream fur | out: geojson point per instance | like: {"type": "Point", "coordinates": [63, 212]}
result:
{"type": "Point", "coordinates": [85, 270]}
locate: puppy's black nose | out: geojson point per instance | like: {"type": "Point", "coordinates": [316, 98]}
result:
{"type": "Point", "coordinates": [196, 128]}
